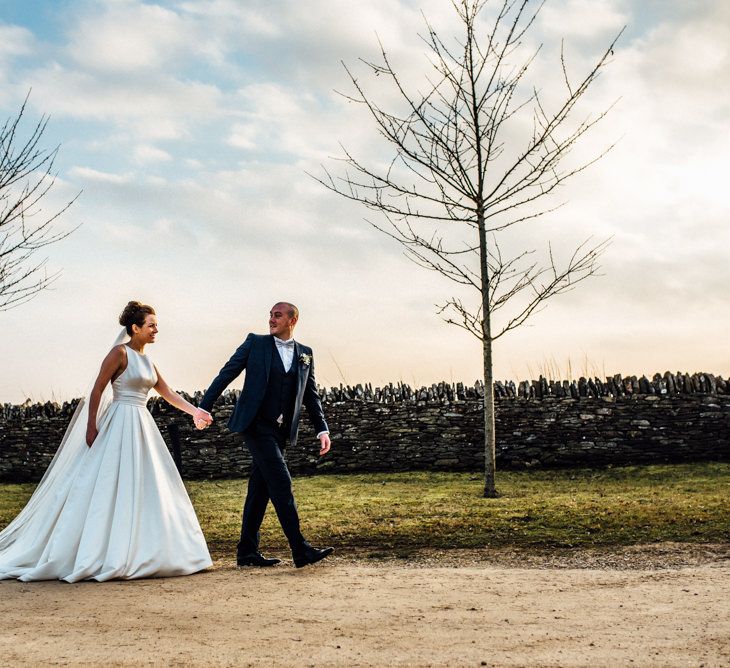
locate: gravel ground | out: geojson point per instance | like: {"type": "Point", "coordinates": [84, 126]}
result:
{"type": "Point", "coordinates": [659, 605]}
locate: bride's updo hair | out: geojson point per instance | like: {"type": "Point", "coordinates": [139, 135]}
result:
{"type": "Point", "coordinates": [134, 313]}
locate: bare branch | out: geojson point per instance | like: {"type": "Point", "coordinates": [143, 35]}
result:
{"type": "Point", "coordinates": [26, 178]}
{"type": "Point", "coordinates": [582, 265]}
{"type": "Point", "coordinates": [455, 182]}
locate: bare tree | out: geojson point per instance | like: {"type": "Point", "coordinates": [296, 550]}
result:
{"type": "Point", "coordinates": [26, 177]}
{"type": "Point", "coordinates": [459, 178]}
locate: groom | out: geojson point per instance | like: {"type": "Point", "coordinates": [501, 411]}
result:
{"type": "Point", "coordinates": [279, 379]}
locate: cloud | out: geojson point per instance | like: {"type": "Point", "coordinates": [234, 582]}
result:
{"type": "Point", "coordinates": [282, 119]}
{"type": "Point", "coordinates": [15, 41]}
{"type": "Point", "coordinates": [126, 63]}
{"type": "Point", "coordinates": [582, 19]}
{"type": "Point", "coordinates": [152, 108]}
{"type": "Point", "coordinates": [229, 16]}
{"type": "Point", "coordinates": [304, 43]}
{"type": "Point", "coordinates": [124, 38]}
{"type": "Point", "coordinates": [145, 154]}
{"type": "Point", "coordinates": [683, 64]}
{"type": "Point", "coordinates": [244, 136]}
{"type": "Point", "coordinates": [89, 174]}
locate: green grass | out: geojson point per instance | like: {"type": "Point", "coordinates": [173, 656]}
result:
{"type": "Point", "coordinates": [401, 513]}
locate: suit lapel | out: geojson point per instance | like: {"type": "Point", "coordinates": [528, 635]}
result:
{"type": "Point", "coordinates": [300, 367]}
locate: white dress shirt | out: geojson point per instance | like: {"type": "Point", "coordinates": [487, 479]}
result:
{"type": "Point", "coordinates": [286, 352]}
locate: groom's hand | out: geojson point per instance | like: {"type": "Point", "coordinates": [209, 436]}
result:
{"type": "Point", "coordinates": [202, 419]}
{"type": "Point", "coordinates": [324, 444]}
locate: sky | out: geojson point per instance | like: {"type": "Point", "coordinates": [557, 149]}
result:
{"type": "Point", "coordinates": [189, 127]}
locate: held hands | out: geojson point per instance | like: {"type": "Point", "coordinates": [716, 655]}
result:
{"type": "Point", "coordinates": [325, 444]}
{"type": "Point", "coordinates": [202, 419]}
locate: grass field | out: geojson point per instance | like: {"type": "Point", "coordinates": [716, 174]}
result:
{"type": "Point", "coordinates": [400, 513]}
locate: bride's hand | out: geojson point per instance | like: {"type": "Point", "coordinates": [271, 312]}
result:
{"type": "Point", "coordinates": [202, 419]}
{"type": "Point", "coordinates": [91, 434]}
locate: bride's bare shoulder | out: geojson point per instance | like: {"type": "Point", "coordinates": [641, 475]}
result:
{"type": "Point", "coordinates": [117, 354]}
{"type": "Point", "coordinates": [117, 361]}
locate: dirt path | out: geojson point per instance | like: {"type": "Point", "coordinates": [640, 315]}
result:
{"type": "Point", "coordinates": [349, 614]}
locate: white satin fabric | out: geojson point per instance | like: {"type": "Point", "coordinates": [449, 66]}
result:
{"type": "Point", "coordinates": [120, 509]}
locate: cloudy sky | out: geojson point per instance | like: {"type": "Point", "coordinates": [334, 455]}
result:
{"type": "Point", "coordinates": [189, 127]}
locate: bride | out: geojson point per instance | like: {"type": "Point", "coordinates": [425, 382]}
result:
{"type": "Point", "coordinates": [111, 504]}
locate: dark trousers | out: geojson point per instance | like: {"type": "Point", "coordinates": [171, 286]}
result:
{"type": "Point", "coordinates": [269, 479]}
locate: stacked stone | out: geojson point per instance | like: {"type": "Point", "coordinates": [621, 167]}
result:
{"type": "Point", "coordinates": [588, 422]}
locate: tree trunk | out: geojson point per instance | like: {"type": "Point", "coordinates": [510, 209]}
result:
{"type": "Point", "coordinates": [490, 439]}
{"type": "Point", "coordinates": [490, 490]}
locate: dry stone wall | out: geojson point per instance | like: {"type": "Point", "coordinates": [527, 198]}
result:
{"type": "Point", "coordinates": [585, 423]}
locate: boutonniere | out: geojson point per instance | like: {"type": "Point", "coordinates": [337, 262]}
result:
{"type": "Point", "coordinates": [305, 359]}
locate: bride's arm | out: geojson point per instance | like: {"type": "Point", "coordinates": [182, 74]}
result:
{"type": "Point", "coordinates": [171, 397]}
{"type": "Point", "coordinates": [115, 361]}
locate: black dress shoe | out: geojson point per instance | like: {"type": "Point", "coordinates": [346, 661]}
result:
{"type": "Point", "coordinates": [256, 559]}
{"type": "Point", "coordinates": [312, 555]}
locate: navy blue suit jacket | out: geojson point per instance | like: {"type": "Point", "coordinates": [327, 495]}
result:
{"type": "Point", "coordinates": [255, 356]}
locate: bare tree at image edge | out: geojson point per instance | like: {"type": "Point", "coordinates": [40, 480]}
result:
{"type": "Point", "coordinates": [26, 177]}
{"type": "Point", "coordinates": [452, 171]}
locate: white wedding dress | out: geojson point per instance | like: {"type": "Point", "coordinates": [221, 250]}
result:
{"type": "Point", "coordinates": [116, 510]}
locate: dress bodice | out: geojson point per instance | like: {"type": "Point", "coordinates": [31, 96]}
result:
{"type": "Point", "coordinates": [136, 381]}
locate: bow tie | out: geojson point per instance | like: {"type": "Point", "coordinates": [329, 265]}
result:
{"type": "Point", "coordinates": [289, 345]}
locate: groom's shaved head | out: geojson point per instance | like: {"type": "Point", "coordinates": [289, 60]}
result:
{"type": "Point", "coordinates": [282, 320]}
{"type": "Point", "coordinates": [292, 311]}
